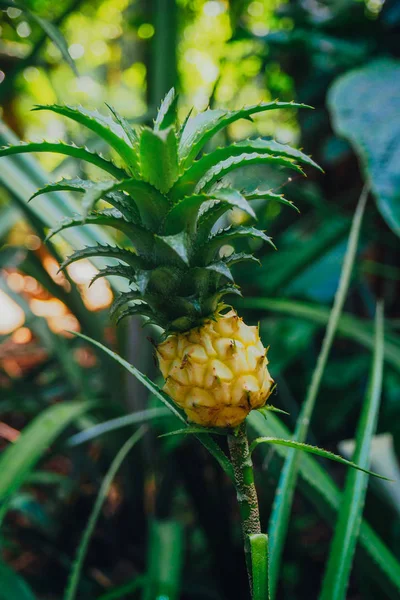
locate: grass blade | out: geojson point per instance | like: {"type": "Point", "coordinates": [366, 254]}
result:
{"type": "Point", "coordinates": [113, 424]}
{"type": "Point", "coordinates": [348, 525]}
{"type": "Point", "coordinates": [287, 484]}
{"type": "Point", "coordinates": [165, 561]}
{"type": "Point", "coordinates": [259, 565]}
{"type": "Point", "coordinates": [205, 439]}
{"type": "Point", "coordinates": [72, 587]}
{"type": "Point", "coordinates": [378, 561]}
{"type": "Point", "coordinates": [19, 459]}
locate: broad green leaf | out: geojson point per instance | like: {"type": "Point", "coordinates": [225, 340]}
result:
{"type": "Point", "coordinates": [68, 150]}
{"type": "Point", "coordinates": [348, 524]}
{"type": "Point", "coordinates": [313, 450]}
{"type": "Point", "coordinates": [284, 496]}
{"type": "Point", "coordinates": [205, 125]}
{"type": "Point", "coordinates": [208, 442]}
{"type": "Point", "coordinates": [323, 493]}
{"type": "Point", "coordinates": [165, 559]}
{"type": "Point", "coordinates": [142, 416]}
{"type": "Point", "coordinates": [187, 182]}
{"type": "Point", "coordinates": [159, 157]}
{"type": "Point", "coordinates": [102, 126]}
{"type": "Point", "coordinates": [13, 586]}
{"type": "Point", "coordinates": [259, 565]}
{"type": "Point", "coordinates": [107, 252]}
{"type": "Point", "coordinates": [73, 582]}
{"type": "Point", "coordinates": [373, 128]}
{"type": "Point", "coordinates": [166, 115]}
{"type": "Point", "coordinates": [19, 459]}
{"type": "Point", "coordinates": [218, 171]}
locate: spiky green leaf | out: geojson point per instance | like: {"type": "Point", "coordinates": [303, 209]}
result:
{"type": "Point", "coordinates": [188, 181]}
{"type": "Point", "coordinates": [107, 252]}
{"type": "Point", "coordinates": [205, 125]}
{"type": "Point", "coordinates": [166, 115]}
{"type": "Point", "coordinates": [219, 267]}
{"type": "Point", "coordinates": [159, 157]}
{"type": "Point", "coordinates": [177, 246]}
{"type": "Point", "coordinates": [227, 236]}
{"type": "Point", "coordinates": [140, 309]}
{"type": "Point", "coordinates": [117, 271]}
{"type": "Point", "coordinates": [117, 199]}
{"type": "Point", "coordinates": [238, 257]}
{"type": "Point", "coordinates": [122, 300]}
{"type": "Point", "coordinates": [67, 150]}
{"type": "Point", "coordinates": [102, 126]}
{"type": "Point", "coordinates": [183, 214]}
{"type": "Point", "coordinates": [223, 168]}
{"type": "Point", "coordinates": [221, 201]}
{"type": "Point", "coordinates": [268, 195]}
{"type": "Point", "coordinates": [151, 204]}
{"type": "Point", "coordinates": [142, 240]}
{"type": "Point", "coordinates": [125, 126]}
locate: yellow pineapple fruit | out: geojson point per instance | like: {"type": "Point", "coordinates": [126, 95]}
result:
{"type": "Point", "coordinates": [217, 373]}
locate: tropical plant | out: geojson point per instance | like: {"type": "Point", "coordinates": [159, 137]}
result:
{"type": "Point", "coordinates": [177, 261]}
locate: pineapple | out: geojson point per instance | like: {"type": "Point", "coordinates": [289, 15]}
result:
{"type": "Point", "coordinates": [216, 372]}
{"type": "Point", "coordinates": [168, 202]}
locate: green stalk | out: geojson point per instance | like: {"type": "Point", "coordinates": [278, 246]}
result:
{"type": "Point", "coordinates": [245, 490]}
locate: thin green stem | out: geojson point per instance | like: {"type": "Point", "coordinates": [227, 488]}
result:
{"type": "Point", "coordinates": [245, 490]}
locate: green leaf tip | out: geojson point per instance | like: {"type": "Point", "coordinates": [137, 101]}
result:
{"type": "Point", "coordinates": [313, 450]}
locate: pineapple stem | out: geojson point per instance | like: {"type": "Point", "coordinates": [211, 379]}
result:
{"type": "Point", "coordinates": [245, 489]}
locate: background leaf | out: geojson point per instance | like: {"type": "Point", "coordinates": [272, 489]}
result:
{"type": "Point", "coordinates": [373, 128]}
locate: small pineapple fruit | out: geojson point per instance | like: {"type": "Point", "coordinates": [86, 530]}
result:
{"type": "Point", "coordinates": [216, 372]}
{"type": "Point", "coordinates": [167, 197]}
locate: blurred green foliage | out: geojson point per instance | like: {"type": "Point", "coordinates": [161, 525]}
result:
{"type": "Point", "coordinates": [170, 500]}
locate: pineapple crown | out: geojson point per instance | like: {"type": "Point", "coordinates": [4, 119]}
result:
{"type": "Point", "coordinates": [167, 202]}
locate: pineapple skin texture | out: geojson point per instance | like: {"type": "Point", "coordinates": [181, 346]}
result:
{"type": "Point", "coordinates": [217, 373]}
